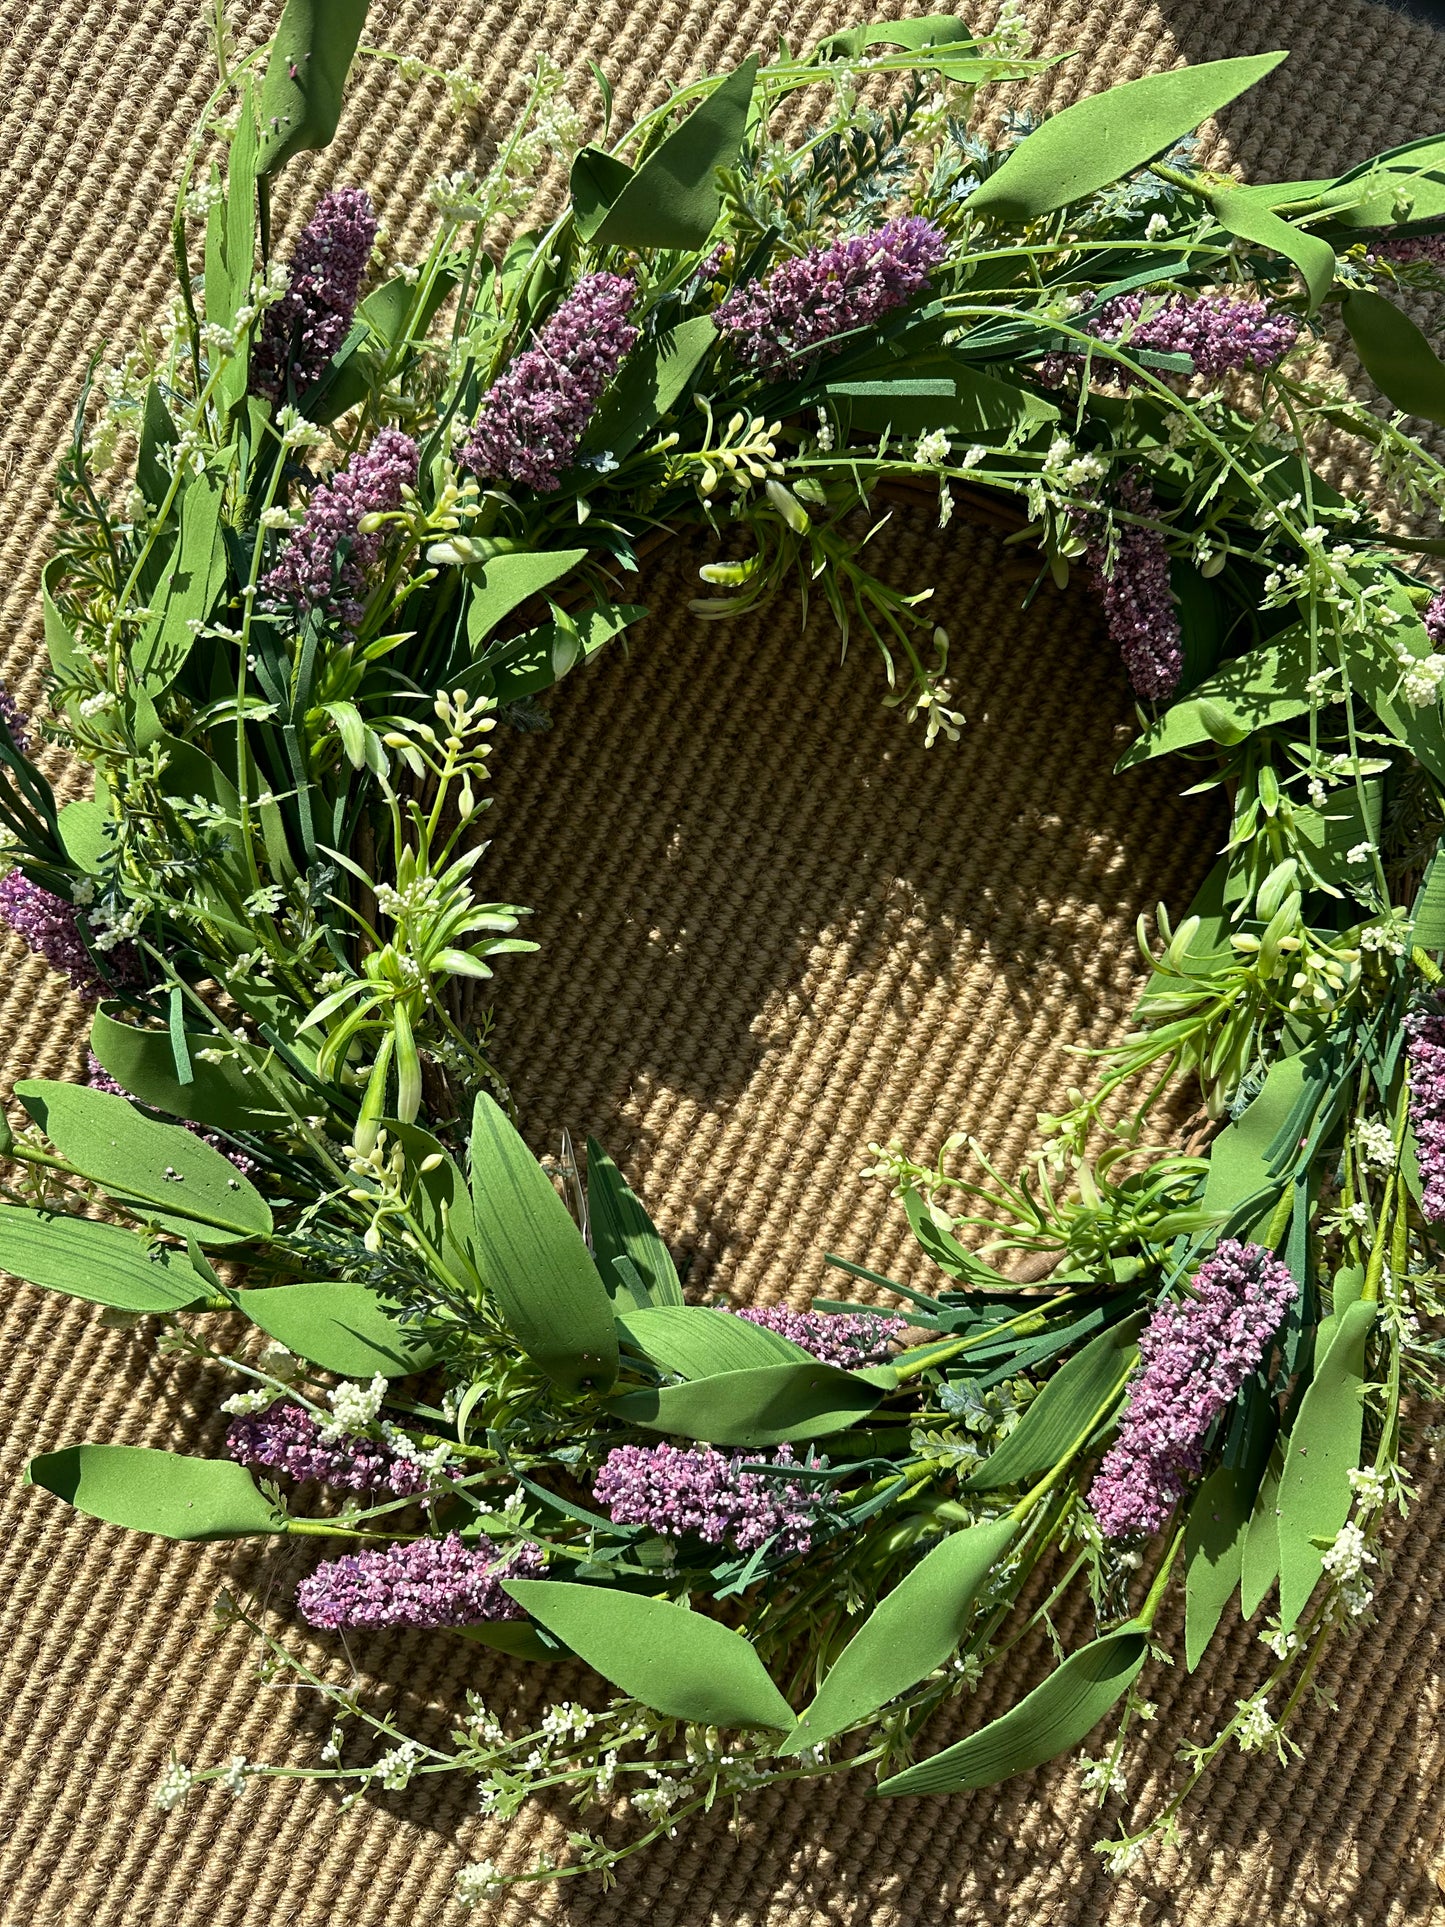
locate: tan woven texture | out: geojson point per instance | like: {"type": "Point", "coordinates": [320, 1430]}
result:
{"type": "Point", "coordinates": [774, 928]}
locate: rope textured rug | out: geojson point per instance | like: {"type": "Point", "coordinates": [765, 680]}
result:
{"type": "Point", "coordinates": [773, 928]}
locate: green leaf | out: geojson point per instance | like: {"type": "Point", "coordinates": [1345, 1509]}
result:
{"type": "Point", "coordinates": [1050, 1720]}
{"type": "Point", "coordinates": [1397, 357]}
{"type": "Point", "coordinates": [1314, 257]}
{"type": "Point", "coordinates": [157, 1170]}
{"type": "Point", "coordinates": [340, 1327]}
{"type": "Point", "coordinates": [82, 833]}
{"type": "Point", "coordinates": [158, 431]}
{"type": "Point", "coordinates": [657, 375]}
{"type": "Point", "coordinates": [193, 580]}
{"type": "Point", "coordinates": [1327, 837]}
{"type": "Point", "coordinates": [934, 30]}
{"type": "Point", "coordinates": [100, 1263]}
{"type": "Point", "coordinates": [1323, 1450]}
{"type": "Point", "coordinates": [1250, 693]}
{"type": "Point", "coordinates": [515, 1637]}
{"type": "Point", "coordinates": [533, 1259]}
{"type": "Point", "coordinates": [908, 1633]}
{"type": "Point", "coordinates": [159, 1492]}
{"type": "Point", "coordinates": [64, 651]}
{"type": "Point", "coordinates": [1240, 1166]}
{"type": "Point", "coordinates": [442, 1203]}
{"type": "Point", "coordinates": [1259, 1563]}
{"type": "Point", "coordinates": [1214, 1538]}
{"type": "Point", "coordinates": [509, 580]}
{"type": "Point", "coordinates": [596, 181]}
{"type": "Point", "coordinates": [523, 665]}
{"type": "Point", "coordinates": [673, 1660]}
{"type": "Point", "coordinates": [766, 1405]}
{"type": "Point", "coordinates": [674, 198]}
{"type": "Point", "coordinates": [1100, 140]}
{"type": "Point", "coordinates": [941, 393]}
{"type": "Point", "coordinates": [700, 1341]}
{"type": "Point", "coordinates": [221, 1093]}
{"type": "Point", "coordinates": [945, 1250]}
{"type": "Point", "coordinates": [1429, 911]}
{"type": "Point", "coordinates": [1076, 1398]}
{"type": "Point", "coordinates": [1375, 675]}
{"type": "Point", "coordinates": [305, 77]}
{"type": "Point", "coordinates": [621, 1228]}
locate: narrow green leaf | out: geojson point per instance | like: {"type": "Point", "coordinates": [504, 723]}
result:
{"type": "Point", "coordinates": [305, 77]}
{"type": "Point", "coordinates": [620, 1227]}
{"type": "Point", "coordinates": [701, 1341]}
{"type": "Point", "coordinates": [1250, 693]}
{"type": "Point", "coordinates": [934, 30]}
{"type": "Point", "coordinates": [941, 393]}
{"type": "Point", "coordinates": [100, 1263]}
{"type": "Point", "coordinates": [1099, 140]}
{"type": "Point", "coordinates": [1314, 257]}
{"type": "Point", "coordinates": [1397, 357]}
{"type": "Point", "coordinates": [1375, 676]}
{"type": "Point", "coordinates": [674, 198]}
{"type": "Point", "coordinates": [1214, 1538]}
{"type": "Point", "coordinates": [657, 375]}
{"type": "Point", "coordinates": [194, 579]}
{"type": "Point", "coordinates": [158, 1492]}
{"type": "Point", "coordinates": [526, 664]}
{"type": "Point", "coordinates": [1259, 1561]}
{"type": "Point", "coordinates": [911, 1631]}
{"type": "Point", "coordinates": [1050, 1720]}
{"type": "Point", "coordinates": [158, 431]}
{"type": "Point", "coordinates": [340, 1327]}
{"type": "Point", "coordinates": [1323, 1450]}
{"type": "Point", "coordinates": [158, 1169]}
{"type": "Point", "coordinates": [673, 1660]}
{"type": "Point", "coordinates": [515, 1637]}
{"type": "Point", "coordinates": [533, 1259]}
{"type": "Point", "coordinates": [945, 1250]}
{"type": "Point", "coordinates": [1429, 911]}
{"type": "Point", "coordinates": [596, 181]}
{"type": "Point", "coordinates": [1239, 1161]}
{"type": "Point", "coordinates": [1078, 1392]}
{"type": "Point", "coordinates": [766, 1405]}
{"type": "Point", "coordinates": [509, 580]}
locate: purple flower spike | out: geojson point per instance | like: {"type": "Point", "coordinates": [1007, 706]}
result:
{"type": "Point", "coordinates": [1218, 335]}
{"type": "Point", "coordinates": [326, 562]}
{"type": "Point", "coordinates": [1138, 602]}
{"type": "Point", "coordinates": [287, 1438]}
{"type": "Point", "coordinates": [1195, 1355]}
{"type": "Point", "coordinates": [301, 333]}
{"type": "Point", "coordinates": [431, 1582]}
{"type": "Point", "coordinates": [845, 1339]}
{"type": "Point", "coordinates": [680, 1489]}
{"type": "Point", "coordinates": [46, 924]}
{"type": "Point", "coordinates": [1425, 1051]}
{"type": "Point", "coordinates": [533, 421]}
{"type": "Point", "coordinates": [16, 720]}
{"type": "Point", "coordinates": [807, 304]}
{"type": "Point", "coordinates": [1434, 620]}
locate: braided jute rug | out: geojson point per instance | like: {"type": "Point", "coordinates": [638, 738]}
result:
{"type": "Point", "coordinates": [774, 928]}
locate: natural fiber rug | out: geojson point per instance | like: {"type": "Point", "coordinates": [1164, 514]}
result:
{"type": "Point", "coordinates": [773, 928]}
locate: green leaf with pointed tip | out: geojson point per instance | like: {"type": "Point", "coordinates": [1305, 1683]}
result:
{"type": "Point", "coordinates": [526, 664]}
{"type": "Point", "coordinates": [193, 580]}
{"type": "Point", "coordinates": [1429, 911]}
{"type": "Point", "coordinates": [158, 431]}
{"type": "Point", "coordinates": [156, 1170]}
{"type": "Point", "coordinates": [1239, 1162]}
{"type": "Point", "coordinates": [596, 181]}
{"type": "Point", "coordinates": [674, 198]}
{"type": "Point", "coordinates": [941, 393]}
{"type": "Point", "coordinates": [516, 1638]}
{"type": "Point", "coordinates": [1375, 676]}
{"type": "Point", "coordinates": [1397, 357]}
{"type": "Point", "coordinates": [911, 1631]}
{"type": "Point", "coordinates": [1314, 257]}
{"type": "Point", "coordinates": [223, 1094]}
{"type": "Point", "coordinates": [158, 1492]}
{"type": "Point", "coordinates": [765, 1405]}
{"type": "Point", "coordinates": [1250, 693]}
{"type": "Point", "coordinates": [510, 580]}
{"type": "Point", "coordinates": [100, 1263]}
{"type": "Point", "coordinates": [82, 833]}
{"type": "Point", "coordinates": [1099, 140]}
{"type": "Point", "coordinates": [673, 1660]}
{"type": "Point", "coordinates": [534, 1261]}
{"type": "Point", "coordinates": [655, 377]}
{"type": "Point", "coordinates": [340, 1327]}
{"type": "Point", "coordinates": [1323, 1450]}
{"type": "Point", "coordinates": [700, 1341]}
{"type": "Point", "coordinates": [1259, 1562]}
{"type": "Point", "coordinates": [945, 1250]}
{"type": "Point", "coordinates": [933, 30]}
{"type": "Point", "coordinates": [1078, 1393]}
{"type": "Point", "coordinates": [1050, 1720]}
{"type": "Point", "coordinates": [621, 1228]}
{"type": "Point", "coordinates": [1214, 1538]}
{"type": "Point", "coordinates": [306, 76]}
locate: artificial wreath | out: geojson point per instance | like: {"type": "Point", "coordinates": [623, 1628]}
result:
{"type": "Point", "coordinates": [321, 540]}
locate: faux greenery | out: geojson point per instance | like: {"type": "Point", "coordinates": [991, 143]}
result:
{"type": "Point", "coordinates": [331, 528]}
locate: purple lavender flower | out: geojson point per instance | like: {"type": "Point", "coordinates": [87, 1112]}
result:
{"type": "Point", "coordinates": [1138, 601]}
{"type": "Point", "coordinates": [287, 1438]}
{"type": "Point", "coordinates": [680, 1489]}
{"type": "Point", "coordinates": [1218, 334]}
{"type": "Point", "coordinates": [98, 1078]}
{"type": "Point", "coordinates": [1425, 1052]}
{"type": "Point", "coordinates": [16, 720]}
{"type": "Point", "coordinates": [1195, 1356]}
{"type": "Point", "coordinates": [533, 421]}
{"type": "Point", "coordinates": [325, 564]}
{"type": "Point", "coordinates": [835, 1338]}
{"type": "Point", "coordinates": [1434, 619]}
{"type": "Point", "coordinates": [301, 333]}
{"type": "Point", "coordinates": [46, 924]}
{"type": "Point", "coordinates": [806, 305]}
{"type": "Point", "coordinates": [431, 1582]}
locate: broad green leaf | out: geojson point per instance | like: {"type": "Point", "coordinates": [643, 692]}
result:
{"type": "Point", "coordinates": [1429, 912]}
{"type": "Point", "coordinates": [395, 311]}
{"type": "Point", "coordinates": [940, 393]}
{"type": "Point", "coordinates": [509, 580]}
{"type": "Point", "coordinates": [673, 200]}
{"type": "Point", "coordinates": [340, 1327]}
{"type": "Point", "coordinates": [656, 376]}
{"type": "Point", "coordinates": [910, 1632]}
{"type": "Point", "coordinates": [305, 77]}
{"type": "Point", "coordinates": [160, 1492]}
{"type": "Point", "coordinates": [1076, 1398]}
{"type": "Point", "coordinates": [1375, 675]}
{"type": "Point", "coordinates": [1328, 836]}
{"type": "Point", "coordinates": [533, 1259]}
{"type": "Point", "coordinates": [1323, 1450]}
{"type": "Point", "coordinates": [442, 1203]}
{"type": "Point", "coordinates": [1397, 357]}
{"type": "Point", "coordinates": [97, 1262]}
{"type": "Point", "coordinates": [1098, 141]}
{"type": "Point", "coordinates": [934, 30]}
{"type": "Point", "coordinates": [228, 275]}
{"type": "Point", "coordinates": [221, 1093]}
{"type": "Point", "coordinates": [1214, 1538]}
{"type": "Point", "coordinates": [1314, 257]}
{"type": "Point", "coordinates": [673, 1660]}
{"type": "Point", "coordinates": [64, 651]}
{"type": "Point", "coordinates": [621, 1228]}
{"type": "Point", "coordinates": [1050, 1720]}
{"type": "Point", "coordinates": [596, 181]}
{"type": "Point", "coordinates": [1239, 1162]}
{"type": "Point", "coordinates": [158, 1170]}
{"type": "Point", "coordinates": [518, 1638]}
{"type": "Point", "coordinates": [82, 833]}
{"type": "Point", "coordinates": [766, 1405]}
{"type": "Point", "coordinates": [194, 579]}
{"type": "Point", "coordinates": [1259, 1562]}
{"type": "Point", "coordinates": [700, 1341]}
{"type": "Point", "coordinates": [158, 431]}
{"type": "Point", "coordinates": [523, 665]}
{"type": "Point", "coordinates": [1252, 692]}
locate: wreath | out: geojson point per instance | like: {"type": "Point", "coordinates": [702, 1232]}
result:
{"type": "Point", "coordinates": [318, 542]}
